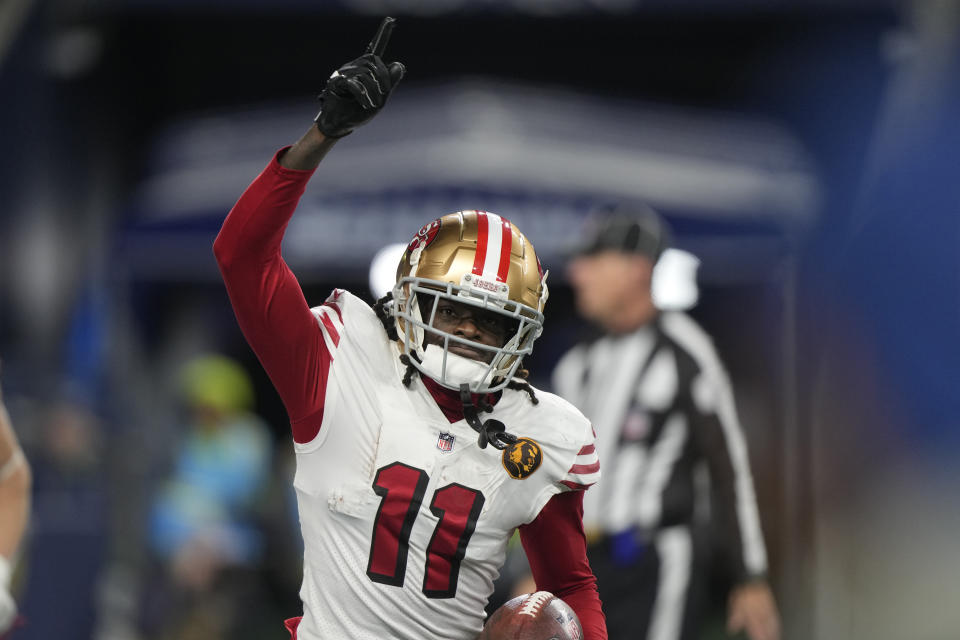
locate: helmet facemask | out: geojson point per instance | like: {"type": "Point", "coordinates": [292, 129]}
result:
{"type": "Point", "coordinates": [415, 306]}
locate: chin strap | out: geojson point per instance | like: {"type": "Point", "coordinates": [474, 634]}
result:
{"type": "Point", "coordinates": [491, 431]}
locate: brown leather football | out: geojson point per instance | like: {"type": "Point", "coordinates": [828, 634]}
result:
{"type": "Point", "coordinates": [533, 616]}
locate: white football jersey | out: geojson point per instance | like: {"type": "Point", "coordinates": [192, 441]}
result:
{"type": "Point", "coordinates": [405, 519]}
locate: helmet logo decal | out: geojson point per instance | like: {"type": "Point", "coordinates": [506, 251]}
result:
{"type": "Point", "coordinates": [522, 458]}
{"type": "Point", "coordinates": [424, 236]}
{"type": "Point", "coordinates": [494, 244]}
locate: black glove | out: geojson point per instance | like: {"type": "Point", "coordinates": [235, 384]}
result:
{"type": "Point", "coordinates": [358, 90]}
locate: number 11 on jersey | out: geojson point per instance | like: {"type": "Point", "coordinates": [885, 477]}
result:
{"type": "Point", "coordinates": [402, 489]}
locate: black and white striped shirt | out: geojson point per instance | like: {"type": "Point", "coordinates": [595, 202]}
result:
{"type": "Point", "coordinates": [662, 406]}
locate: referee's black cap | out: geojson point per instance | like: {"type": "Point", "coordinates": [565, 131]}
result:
{"type": "Point", "coordinates": [633, 227]}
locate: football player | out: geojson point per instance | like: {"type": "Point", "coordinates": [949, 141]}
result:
{"type": "Point", "coordinates": [14, 511]}
{"type": "Point", "coordinates": [420, 448]}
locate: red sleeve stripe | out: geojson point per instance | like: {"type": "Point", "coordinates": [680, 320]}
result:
{"type": "Point", "coordinates": [333, 301]}
{"type": "Point", "coordinates": [575, 486]}
{"type": "Point", "coordinates": [585, 469]}
{"type": "Point", "coordinates": [336, 310]}
{"type": "Point", "coordinates": [331, 329]}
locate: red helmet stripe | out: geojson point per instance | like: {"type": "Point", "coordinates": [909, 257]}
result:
{"type": "Point", "coordinates": [494, 243]}
{"type": "Point", "coordinates": [506, 241]}
{"type": "Point", "coordinates": [482, 232]}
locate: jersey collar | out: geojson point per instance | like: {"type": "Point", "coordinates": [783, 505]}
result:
{"type": "Point", "coordinates": [449, 400]}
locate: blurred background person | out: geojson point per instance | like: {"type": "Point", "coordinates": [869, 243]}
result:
{"type": "Point", "coordinates": [662, 405]}
{"type": "Point", "coordinates": [204, 532]}
{"type": "Point", "coordinates": [69, 530]}
{"type": "Point", "coordinates": [14, 512]}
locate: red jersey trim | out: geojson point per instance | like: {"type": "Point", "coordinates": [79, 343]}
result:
{"type": "Point", "coordinates": [291, 624]}
{"type": "Point", "coordinates": [334, 334]}
{"type": "Point", "coordinates": [279, 169]}
{"type": "Point", "coordinates": [306, 429]}
{"type": "Point", "coordinates": [585, 469]}
{"type": "Point", "coordinates": [336, 309]}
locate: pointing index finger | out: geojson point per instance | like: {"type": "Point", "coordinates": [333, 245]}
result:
{"type": "Point", "coordinates": [378, 45]}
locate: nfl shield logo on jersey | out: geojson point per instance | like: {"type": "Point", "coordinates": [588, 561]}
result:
{"type": "Point", "coordinates": [445, 441]}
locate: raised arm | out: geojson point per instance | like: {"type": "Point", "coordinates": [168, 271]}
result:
{"type": "Point", "coordinates": [354, 94]}
{"type": "Point", "coordinates": [266, 297]}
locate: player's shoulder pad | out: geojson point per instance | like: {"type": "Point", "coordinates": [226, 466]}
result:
{"type": "Point", "coordinates": [348, 308]}
{"type": "Point", "coordinates": [559, 422]}
{"type": "Point", "coordinates": [569, 439]}
{"type": "Point", "coordinates": [345, 316]}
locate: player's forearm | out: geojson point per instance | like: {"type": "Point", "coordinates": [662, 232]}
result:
{"type": "Point", "coordinates": [556, 550]}
{"type": "Point", "coordinates": [15, 482]}
{"type": "Point", "coordinates": [586, 604]}
{"type": "Point", "coordinates": [14, 509]}
{"type": "Point", "coordinates": [308, 151]}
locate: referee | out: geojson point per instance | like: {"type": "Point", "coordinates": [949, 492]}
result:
{"type": "Point", "coordinates": [663, 410]}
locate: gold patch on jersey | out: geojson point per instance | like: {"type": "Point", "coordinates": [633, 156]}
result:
{"type": "Point", "coordinates": [522, 458]}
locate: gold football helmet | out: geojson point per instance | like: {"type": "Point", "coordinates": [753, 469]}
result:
{"type": "Point", "coordinates": [479, 259]}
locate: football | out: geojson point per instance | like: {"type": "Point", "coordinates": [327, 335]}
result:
{"type": "Point", "coordinates": [533, 616]}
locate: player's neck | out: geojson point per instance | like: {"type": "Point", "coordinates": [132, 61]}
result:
{"type": "Point", "coordinates": [449, 400]}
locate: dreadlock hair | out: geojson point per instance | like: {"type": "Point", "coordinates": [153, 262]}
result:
{"type": "Point", "coordinates": [385, 317]}
{"type": "Point", "coordinates": [523, 385]}
{"type": "Point", "coordinates": [381, 308]}
{"type": "Point", "coordinates": [411, 370]}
